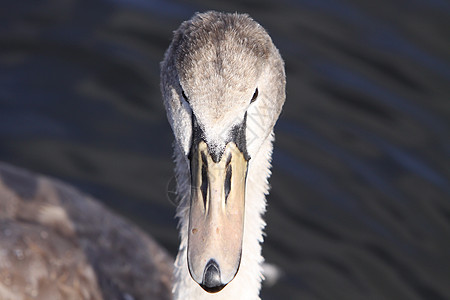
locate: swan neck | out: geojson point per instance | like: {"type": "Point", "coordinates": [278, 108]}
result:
{"type": "Point", "coordinates": [247, 283]}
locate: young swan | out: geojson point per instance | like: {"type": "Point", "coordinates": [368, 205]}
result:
{"type": "Point", "coordinates": [223, 85]}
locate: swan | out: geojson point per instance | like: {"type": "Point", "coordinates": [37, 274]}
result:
{"type": "Point", "coordinates": [223, 86]}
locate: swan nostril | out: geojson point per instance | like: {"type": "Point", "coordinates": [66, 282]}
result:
{"type": "Point", "coordinates": [211, 278]}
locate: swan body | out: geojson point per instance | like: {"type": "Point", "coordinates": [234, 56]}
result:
{"type": "Point", "coordinates": [223, 85]}
{"type": "Point", "coordinates": [60, 244]}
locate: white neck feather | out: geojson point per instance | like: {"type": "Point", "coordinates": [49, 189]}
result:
{"type": "Point", "coordinates": [247, 283]}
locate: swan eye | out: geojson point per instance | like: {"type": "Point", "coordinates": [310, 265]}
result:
{"type": "Point", "coordinates": [184, 96]}
{"type": "Point", "coordinates": [255, 95]}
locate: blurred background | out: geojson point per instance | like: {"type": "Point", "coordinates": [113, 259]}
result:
{"type": "Point", "coordinates": [360, 200]}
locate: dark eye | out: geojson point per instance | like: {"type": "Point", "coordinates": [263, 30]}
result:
{"type": "Point", "coordinates": [255, 95]}
{"type": "Point", "coordinates": [184, 96]}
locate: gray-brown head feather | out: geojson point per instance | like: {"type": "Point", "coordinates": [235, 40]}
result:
{"type": "Point", "coordinates": [221, 42]}
{"type": "Point", "coordinates": [218, 60]}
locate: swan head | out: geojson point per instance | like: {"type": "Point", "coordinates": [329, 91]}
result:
{"type": "Point", "coordinates": [223, 85]}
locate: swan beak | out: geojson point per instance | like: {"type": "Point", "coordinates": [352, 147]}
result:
{"type": "Point", "coordinates": [216, 219]}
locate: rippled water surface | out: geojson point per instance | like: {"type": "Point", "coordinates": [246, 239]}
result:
{"type": "Point", "coordinates": [360, 201]}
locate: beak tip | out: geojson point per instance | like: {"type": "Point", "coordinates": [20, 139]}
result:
{"type": "Point", "coordinates": [211, 278]}
{"type": "Point", "coordinates": [214, 289]}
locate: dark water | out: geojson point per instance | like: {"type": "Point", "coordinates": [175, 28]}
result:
{"type": "Point", "coordinates": [360, 201]}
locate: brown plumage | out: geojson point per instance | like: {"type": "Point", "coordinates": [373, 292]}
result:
{"type": "Point", "coordinates": [57, 243]}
